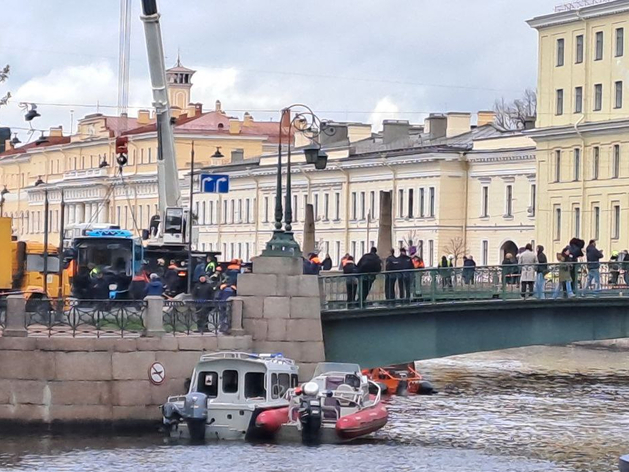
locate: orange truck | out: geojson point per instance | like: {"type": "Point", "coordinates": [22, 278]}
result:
{"type": "Point", "coordinates": [22, 267]}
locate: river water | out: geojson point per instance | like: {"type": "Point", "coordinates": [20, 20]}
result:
{"type": "Point", "coordinates": [524, 410]}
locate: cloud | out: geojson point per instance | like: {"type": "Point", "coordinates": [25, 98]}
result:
{"type": "Point", "coordinates": [385, 110]}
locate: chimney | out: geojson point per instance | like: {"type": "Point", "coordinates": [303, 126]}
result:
{"type": "Point", "coordinates": [8, 145]}
{"type": "Point", "coordinates": [144, 117]}
{"type": "Point", "coordinates": [198, 109]}
{"type": "Point", "coordinates": [458, 123]}
{"type": "Point", "coordinates": [217, 107]}
{"type": "Point", "coordinates": [56, 132]}
{"type": "Point", "coordinates": [248, 119]}
{"type": "Point", "coordinates": [394, 130]}
{"type": "Point", "coordinates": [435, 125]}
{"type": "Point", "coordinates": [485, 118]}
{"type": "Point", "coordinates": [175, 112]}
{"type": "Point", "coordinates": [234, 126]}
{"type": "Point", "coordinates": [238, 155]}
{"type": "Point", "coordinates": [529, 122]}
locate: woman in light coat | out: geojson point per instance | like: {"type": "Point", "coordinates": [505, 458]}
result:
{"type": "Point", "coordinates": [528, 262]}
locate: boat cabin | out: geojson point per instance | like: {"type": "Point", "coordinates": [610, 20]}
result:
{"type": "Point", "coordinates": [238, 377]}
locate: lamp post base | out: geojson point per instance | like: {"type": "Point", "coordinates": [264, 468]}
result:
{"type": "Point", "coordinates": [282, 244]}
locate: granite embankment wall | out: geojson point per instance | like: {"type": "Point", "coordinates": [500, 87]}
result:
{"type": "Point", "coordinates": [101, 381]}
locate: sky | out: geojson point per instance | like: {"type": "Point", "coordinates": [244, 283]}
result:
{"type": "Point", "coordinates": [349, 60]}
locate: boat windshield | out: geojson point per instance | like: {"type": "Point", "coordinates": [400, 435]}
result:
{"type": "Point", "coordinates": [325, 367]}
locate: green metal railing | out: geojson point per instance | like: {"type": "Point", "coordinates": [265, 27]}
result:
{"type": "Point", "coordinates": [441, 285]}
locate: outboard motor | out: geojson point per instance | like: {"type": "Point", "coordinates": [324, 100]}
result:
{"type": "Point", "coordinates": [195, 414]}
{"type": "Point", "coordinates": [310, 413]}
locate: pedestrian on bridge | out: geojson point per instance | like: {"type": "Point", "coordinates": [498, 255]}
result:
{"type": "Point", "coordinates": [351, 283]}
{"type": "Point", "coordinates": [469, 270]}
{"type": "Point", "coordinates": [565, 278]}
{"type": "Point", "coordinates": [369, 265]}
{"type": "Point", "coordinates": [405, 264]}
{"type": "Point", "coordinates": [593, 256]}
{"type": "Point", "coordinates": [528, 262]}
{"type": "Point", "coordinates": [391, 265]}
{"type": "Point", "coordinates": [541, 269]}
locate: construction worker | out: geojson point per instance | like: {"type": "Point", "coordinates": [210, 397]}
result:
{"type": "Point", "coordinates": [211, 265]}
{"type": "Point", "coordinates": [232, 271]}
{"type": "Point", "coordinates": [225, 293]}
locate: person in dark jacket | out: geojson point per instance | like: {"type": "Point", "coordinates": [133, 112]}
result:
{"type": "Point", "coordinates": [203, 290]}
{"type": "Point", "coordinates": [445, 271]}
{"type": "Point", "coordinates": [593, 256]}
{"type": "Point", "coordinates": [137, 288]}
{"type": "Point", "coordinates": [350, 282]}
{"type": "Point", "coordinates": [510, 270]}
{"type": "Point", "coordinates": [469, 269]}
{"type": "Point", "coordinates": [405, 264]}
{"type": "Point", "coordinates": [155, 287]}
{"type": "Point", "coordinates": [575, 250]}
{"type": "Point", "coordinates": [369, 264]}
{"type": "Point", "coordinates": [225, 292]}
{"type": "Point", "coordinates": [391, 264]}
{"type": "Point", "coordinates": [100, 288]}
{"type": "Point", "coordinates": [82, 283]}
{"type": "Point", "coordinates": [541, 269]}
{"type": "Point", "coordinates": [171, 278]}
{"type": "Point", "coordinates": [199, 270]}
{"type": "Point", "coordinates": [327, 263]}
{"type": "Point", "coordinates": [310, 268]}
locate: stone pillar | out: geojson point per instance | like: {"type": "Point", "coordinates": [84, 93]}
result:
{"type": "Point", "coordinates": [88, 212]}
{"type": "Point", "coordinates": [16, 317]}
{"type": "Point", "coordinates": [282, 311]}
{"type": "Point", "coordinates": [80, 213]}
{"type": "Point", "coordinates": [71, 213]}
{"type": "Point", "coordinates": [309, 230]}
{"type": "Point", "coordinates": [237, 307]}
{"type": "Point", "coordinates": [385, 236]}
{"type": "Point", "coordinates": [103, 216]}
{"type": "Point", "coordinates": [154, 318]}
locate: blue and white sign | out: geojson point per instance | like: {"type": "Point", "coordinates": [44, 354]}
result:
{"type": "Point", "coordinates": [214, 183]}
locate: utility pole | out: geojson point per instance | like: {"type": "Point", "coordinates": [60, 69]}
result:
{"type": "Point", "coordinates": [190, 220]}
{"type": "Point", "coordinates": [46, 222]}
{"type": "Point", "coordinates": [61, 248]}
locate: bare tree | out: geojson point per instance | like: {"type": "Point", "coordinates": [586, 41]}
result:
{"type": "Point", "coordinates": [456, 247]}
{"type": "Point", "coordinates": [4, 75]}
{"type": "Point", "coordinates": [515, 114]}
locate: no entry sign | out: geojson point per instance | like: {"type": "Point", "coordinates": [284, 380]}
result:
{"type": "Point", "coordinates": [157, 373]}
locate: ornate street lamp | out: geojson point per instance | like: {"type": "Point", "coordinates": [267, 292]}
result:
{"type": "Point", "coordinates": [282, 243]}
{"type": "Point", "coordinates": [4, 191]}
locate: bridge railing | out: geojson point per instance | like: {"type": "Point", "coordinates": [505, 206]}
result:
{"type": "Point", "coordinates": [440, 285]}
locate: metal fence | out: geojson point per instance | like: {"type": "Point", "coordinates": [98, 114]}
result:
{"type": "Point", "coordinates": [440, 285]}
{"type": "Point", "coordinates": [100, 318]}
{"type": "Point", "coordinates": [198, 317]}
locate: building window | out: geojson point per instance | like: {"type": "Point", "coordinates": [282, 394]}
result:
{"type": "Point", "coordinates": [142, 156]}
{"type": "Point", "coordinates": [560, 51]}
{"type": "Point", "coordinates": [485, 253]}
{"type": "Point", "coordinates": [232, 211]}
{"type": "Point", "coordinates": [579, 49]}
{"type": "Point", "coordinates": [598, 97]}
{"type": "Point", "coordinates": [420, 248]}
{"type": "Point", "coordinates": [422, 203]}
{"type": "Point", "coordinates": [150, 159]}
{"type": "Point", "coordinates": [400, 203]}
{"type": "Point", "coordinates": [577, 164]}
{"type": "Point", "coordinates": [577, 222]}
{"type": "Point", "coordinates": [620, 42]}
{"type": "Point", "coordinates": [224, 215]}
{"type": "Point", "coordinates": [597, 222]}
{"type": "Point", "coordinates": [431, 202]}
{"type": "Point", "coordinates": [295, 208]}
{"type": "Point", "coordinates": [618, 94]}
{"type": "Point", "coordinates": [578, 100]}
{"type": "Point", "coordinates": [356, 256]}
{"type": "Point", "coordinates": [411, 202]}
{"type": "Point", "coordinates": [354, 206]}
{"type": "Point", "coordinates": [248, 211]}
{"type": "Point", "coordinates": [337, 252]}
{"type": "Point", "coordinates": [431, 252]}
{"type": "Point", "coordinates": [266, 209]}
{"type": "Point", "coordinates": [599, 46]}
{"type": "Point", "coordinates": [326, 206]}
{"type": "Point", "coordinates": [559, 102]}
{"type": "Point", "coordinates": [616, 223]}
{"type": "Point", "coordinates": [372, 204]}
{"type": "Point", "coordinates": [202, 216]}
{"type": "Point", "coordinates": [557, 223]}
{"type": "Point", "coordinates": [533, 200]}
{"type": "Point", "coordinates": [337, 206]}
{"type": "Point", "coordinates": [363, 205]}
{"type": "Point", "coordinates": [616, 167]}
{"type": "Point", "coordinates": [558, 166]}
{"type": "Point", "coordinates": [595, 162]}
{"type": "Point", "coordinates": [316, 207]}
{"type": "Point", "coordinates": [211, 213]}
{"type": "Point", "coordinates": [509, 201]}
{"type": "Point", "coordinates": [485, 202]}
{"type": "Point", "coordinates": [239, 211]}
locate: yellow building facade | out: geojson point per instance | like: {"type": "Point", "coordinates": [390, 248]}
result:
{"type": "Point", "coordinates": [83, 165]}
{"type": "Point", "coordinates": [582, 129]}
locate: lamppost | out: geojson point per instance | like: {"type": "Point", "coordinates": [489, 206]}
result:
{"type": "Point", "coordinates": [37, 184]}
{"type": "Point", "coordinates": [282, 243]}
{"type": "Point", "coordinates": [2, 194]}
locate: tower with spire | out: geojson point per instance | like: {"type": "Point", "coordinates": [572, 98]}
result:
{"type": "Point", "coordinates": [179, 84]}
